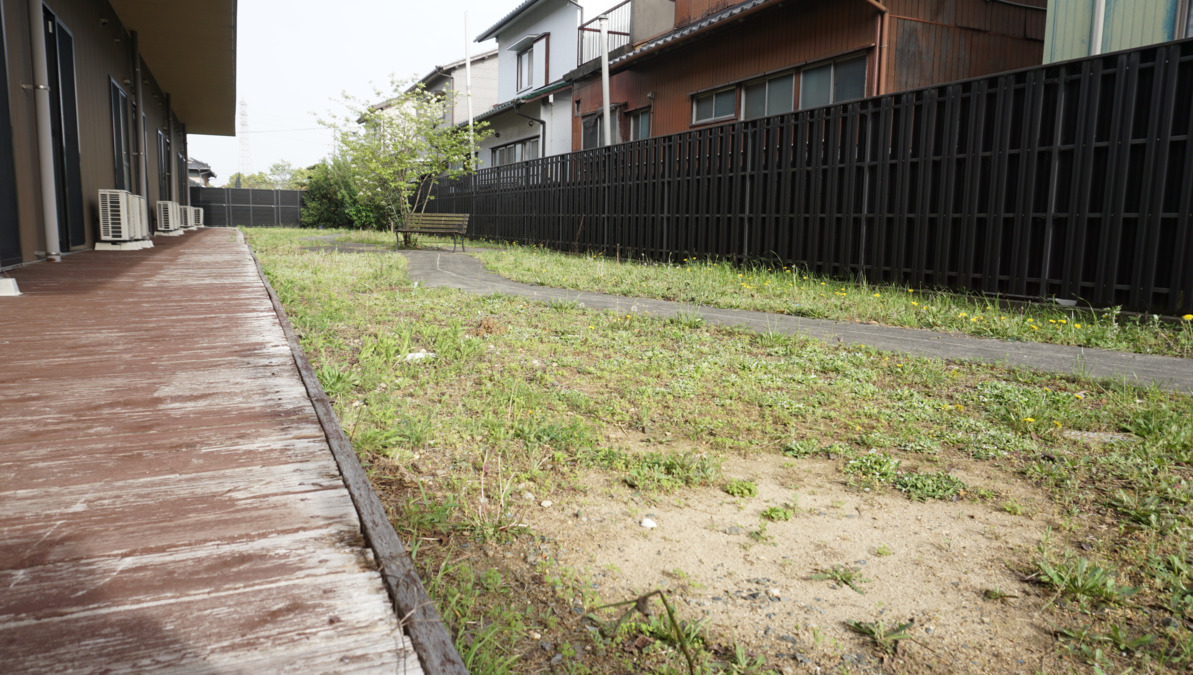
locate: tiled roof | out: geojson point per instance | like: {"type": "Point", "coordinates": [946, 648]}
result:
{"type": "Point", "coordinates": [509, 105]}
{"type": "Point", "coordinates": [687, 30]}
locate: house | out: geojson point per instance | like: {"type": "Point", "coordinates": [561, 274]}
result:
{"type": "Point", "coordinates": [102, 94]}
{"type": "Point", "coordinates": [1078, 28]}
{"type": "Point", "coordinates": [451, 80]}
{"type": "Point", "coordinates": [537, 44]}
{"type": "Point", "coordinates": [200, 173]}
{"type": "Point", "coordinates": [728, 60]}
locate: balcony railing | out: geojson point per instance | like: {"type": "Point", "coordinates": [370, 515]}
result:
{"type": "Point", "coordinates": [620, 23]}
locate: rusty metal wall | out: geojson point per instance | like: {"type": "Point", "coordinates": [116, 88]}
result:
{"type": "Point", "coordinates": [931, 42]}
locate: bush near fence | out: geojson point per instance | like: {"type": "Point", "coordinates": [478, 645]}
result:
{"type": "Point", "coordinates": [1070, 180]}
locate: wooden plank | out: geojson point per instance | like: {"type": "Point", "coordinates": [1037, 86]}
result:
{"type": "Point", "coordinates": [167, 495]}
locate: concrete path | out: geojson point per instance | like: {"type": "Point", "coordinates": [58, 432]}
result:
{"type": "Point", "coordinates": [438, 269]}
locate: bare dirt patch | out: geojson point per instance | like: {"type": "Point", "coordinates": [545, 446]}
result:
{"type": "Point", "coordinates": [929, 563]}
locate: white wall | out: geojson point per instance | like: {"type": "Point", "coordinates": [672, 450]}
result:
{"type": "Point", "coordinates": [557, 17]}
{"type": "Point", "coordinates": [484, 89]}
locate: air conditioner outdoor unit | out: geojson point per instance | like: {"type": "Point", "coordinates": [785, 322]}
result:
{"type": "Point", "coordinates": [196, 216]}
{"type": "Point", "coordinates": [184, 216]}
{"type": "Point", "coordinates": [117, 217]}
{"type": "Point", "coordinates": [141, 217]}
{"type": "Point", "coordinates": [169, 216]}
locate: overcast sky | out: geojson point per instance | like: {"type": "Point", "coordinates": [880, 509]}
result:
{"type": "Point", "coordinates": [295, 56]}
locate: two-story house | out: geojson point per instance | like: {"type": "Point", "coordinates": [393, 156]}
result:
{"type": "Point", "coordinates": [1078, 28]}
{"type": "Point", "coordinates": [537, 44]}
{"type": "Point", "coordinates": [451, 80]}
{"type": "Point", "coordinates": [727, 60]}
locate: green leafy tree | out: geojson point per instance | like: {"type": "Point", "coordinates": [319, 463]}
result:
{"type": "Point", "coordinates": [331, 199]}
{"type": "Point", "coordinates": [255, 181]}
{"type": "Point", "coordinates": [398, 151]}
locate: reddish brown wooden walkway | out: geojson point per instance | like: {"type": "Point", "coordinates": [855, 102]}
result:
{"type": "Point", "coordinates": [168, 499]}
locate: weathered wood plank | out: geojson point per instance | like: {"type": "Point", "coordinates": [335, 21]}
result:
{"type": "Point", "coordinates": [168, 499]}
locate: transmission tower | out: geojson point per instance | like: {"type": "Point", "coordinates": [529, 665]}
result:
{"type": "Point", "coordinates": [246, 155]}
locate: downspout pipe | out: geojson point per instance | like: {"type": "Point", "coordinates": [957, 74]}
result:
{"type": "Point", "coordinates": [45, 136]}
{"type": "Point", "coordinates": [606, 116]}
{"type": "Point", "coordinates": [1098, 28]}
{"type": "Point", "coordinates": [170, 170]}
{"type": "Point", "coordinates": [139, 122]}
{"type": "Point", "coordinates": [880, 58]}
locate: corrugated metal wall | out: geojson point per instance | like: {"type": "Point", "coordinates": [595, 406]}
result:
{"type": "Point", "coordinates": [1128, 24]}
{"type": "Point", "coordinates": [931, 41]}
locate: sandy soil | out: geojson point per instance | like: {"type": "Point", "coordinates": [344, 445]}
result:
{"type": "Point", "coordinates": [943, 556]}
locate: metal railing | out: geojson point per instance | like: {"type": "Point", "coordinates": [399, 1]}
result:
{"type": "Point", "coordinates": [620, 26]}
{"type": "Point", "coordinates": [1071, 180]}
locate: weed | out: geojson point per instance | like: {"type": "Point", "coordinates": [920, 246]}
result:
{"type": "Point", "coordinates": [883, 551]}
{"type": "Point", "coordinates": [740, 488]}
{"type": "Point", "coordinates": [776, 513]}
{"type": "Point", "coordinates": [687, 320]}
{"type": "Point", "coordinates": [800, 449]}
{"type": "Point", "coordinates": [996, 594]}
{"type": "Point", "coordinates": [886, 639]}
{"type": "Point", "coordinates": [1012, 507]}
{"type": "Point", "coordinates": [336, 382]}
{"type": "Point", "coordinates": [843, 574]}
{"type": "Point", "coordinates": [921, 487]}
{"type": "Point", "coordinates": [657, 471]}
{"type": "Point", "coordinates": [1083, 581]}
{"type": "Point", "coordinates": [875, 465]}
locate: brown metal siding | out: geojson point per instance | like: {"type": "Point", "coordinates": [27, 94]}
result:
{"type": "Point", "coordinates": [102, 53]}
{"type": "Point", "coordinates": [930, 41]}
{"type": "Point", "coordinates": [24, 139]}
{"type": "Point", "coordinates": [784, 37]}
{"type": "Point", "coordinates": [933, 41]}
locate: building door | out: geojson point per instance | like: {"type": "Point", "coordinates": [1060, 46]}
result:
{"type": "Point", "coordinates": [10, 235]}
{"type": "Point", "coordinates": [121, 139]}
{"type": "Point", "coordinates": [64, 124]}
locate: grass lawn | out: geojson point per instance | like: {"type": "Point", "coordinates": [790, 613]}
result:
{"type": "Point", "coordinates": [798, 293]}
{"type": "Point", "coordinates": [549, 461]}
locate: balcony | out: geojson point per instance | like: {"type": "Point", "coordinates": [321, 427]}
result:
{"type": "Point", "coordinates": [630, 23]}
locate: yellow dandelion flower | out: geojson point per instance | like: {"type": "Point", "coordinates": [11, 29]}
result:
{"type": "Point", "coordinates": [915, 303]}
{"type": "Point", "coordinates": [962, 315]}
{"type": "Point", "coordinates": [878, 295]}
{"type": "Point", "coordinates": [1035, 328]}
{"type": "Point", "coordinates": [1064, 321]}
{"type": "Point", "coordinates": [1188, 317]}
{"type": "Point", "coordinates": [911, 290]}
{"type": "Point", "coordinates": [1058, 424]}
{"type": "Point", "coordinates": [1077, 325]}
{"type": "Point", "coordinates": [975, 319]}
{"type": "Point", "coordinates": [1031, 320]}
{"type": "Point", "coordinates": [1051, 320]}
{"type": "Point", "coordinates": [1079, 396]}
{"type": "Point", "coordinates": [1029, 419]}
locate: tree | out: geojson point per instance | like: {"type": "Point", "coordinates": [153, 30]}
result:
{"type": "Point", "coordinates": [255, 181]}
{"type": "Point", "coordinates": [331, 199]}
{"type": "Point", "coordinates": [398, 151]}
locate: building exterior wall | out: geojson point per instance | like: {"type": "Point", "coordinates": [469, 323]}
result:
{"type": "Point", "coordinates": [484, 89]}
{"type": "Point", "coordinates": [508, 127]}
{"type": "Point", "coordinates": [103, 54]}
{"type": "Point", "coordinates": [557, 18]}
{"type": "Point", "coordinates": [931, 41]}
{"type": "Point", "coordinates": [1127, 24]}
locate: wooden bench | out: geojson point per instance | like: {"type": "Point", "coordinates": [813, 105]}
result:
{"type": "Point", "coordinates": [455, 224]}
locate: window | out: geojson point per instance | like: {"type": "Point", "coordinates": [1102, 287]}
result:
{"type": "Point", "coordinates": [526, 69]}
{"type": "Point", "coordinates": [714, 105]}
{"type": "Point", "coordinates": [516, 152]}
{"type": "Point", "coordinates": [639, 125]}
{"type": "Point", "coordinates": [532, 62]}
{"type": "Point", "coordinates": [121, 152]}
{"type": "Point", "coordinates": [1188, 19]}
{"type": "Point", "coordinates": [769, 97]}
{"type": "Point", "coordinates": [834, 82]}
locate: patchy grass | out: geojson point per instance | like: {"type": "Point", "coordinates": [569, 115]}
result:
{"type": "Point", "coordinates": [529, 399]}
{"type": "Point", "coordinates": [796, 292]}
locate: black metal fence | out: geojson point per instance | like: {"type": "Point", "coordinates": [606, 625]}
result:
{"type": "Point", "coordinates": [232, 207]}
{"type": "Point", "coordinates": [1072, 180]}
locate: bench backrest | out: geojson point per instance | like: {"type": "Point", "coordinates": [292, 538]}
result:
{"type": "Point", "coordinates": [421, 220]}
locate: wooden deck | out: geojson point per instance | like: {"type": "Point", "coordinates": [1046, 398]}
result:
{"type": "Point", "coordinates": [168, 499]}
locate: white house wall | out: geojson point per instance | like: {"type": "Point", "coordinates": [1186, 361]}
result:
{"type": "Point", "coordinates": [559, 18]}
{"type": "Point", "coordinates": [484, 89]}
